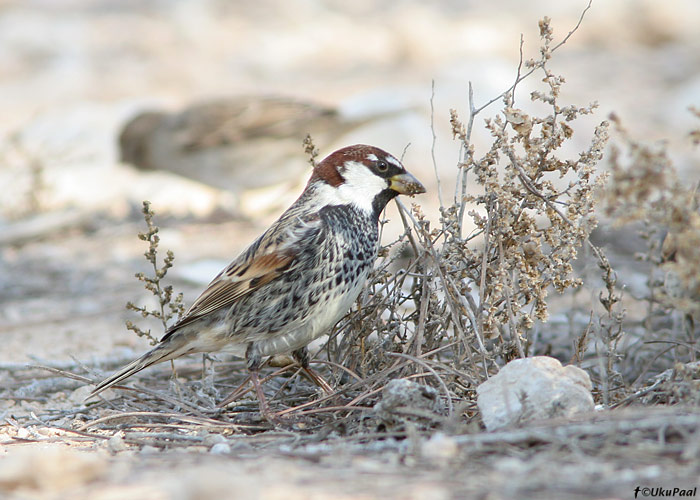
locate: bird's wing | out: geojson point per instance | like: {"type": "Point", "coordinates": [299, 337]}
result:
{"type": "Point", "coordinates": [264, 261]}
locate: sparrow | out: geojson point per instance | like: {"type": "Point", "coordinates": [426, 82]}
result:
{"type": "Point", "coordinates": [219, 141]}
{"type": "Point", "coordinates": [293, 283]}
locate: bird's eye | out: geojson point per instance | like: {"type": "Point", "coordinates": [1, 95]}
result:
{"type": "Point", "coordinates": [382, 166]}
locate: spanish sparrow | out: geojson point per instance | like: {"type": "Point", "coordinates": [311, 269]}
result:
{"type": "Point", "coordinates": [219, 141]}
{"type": "Point", "coordinates": [293, 283]}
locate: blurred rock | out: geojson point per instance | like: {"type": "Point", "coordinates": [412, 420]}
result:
{"type": "Point", "coordinates": [402, 393]}
{"type": "Point", "coordinates": [235, 143]}
{"type": "Point", "coordinates": [116, 443]}
{"type": "Point", "coordinates": [213, 439]}
{"type": "Point", "coordinates": [220, 449]}
{"type": "Point", "coordinates": [79, 395]}
{"type": "Point", "coordinates": [51, 468]}
{"type": "Point", "coordinates": [440, 448]}
{"type": "Point", "coordinates": [199, 272]}
{"type": "Point", "coordinates": [533, 389]}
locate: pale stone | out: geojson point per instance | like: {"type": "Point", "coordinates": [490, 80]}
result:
{"type": "Point", "coordinates": [405, 393]}
{"type": "Point", "coordinates": [533, 389]}
{"type": "Point", "coordinates": [116, 444]}
{"type": "Point", "coordinates": [213, 439]}
{"type": "Point", "coordinates": [440, 447]}
{"type": "Point", "coordinates": [220, 449]}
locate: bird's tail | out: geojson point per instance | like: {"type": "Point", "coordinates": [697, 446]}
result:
{"type": "Point", "coordinates": [173, 347]}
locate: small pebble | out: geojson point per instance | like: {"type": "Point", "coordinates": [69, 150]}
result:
{"type": "Point", "coordinates": [220, 449]}
{"type": "Point", "coordinates": [116, 444]}
{"type": "Point", "coordinates": [440, 447]}
{"type": "Point", "coordinates": [213, 439]}
{"type": "Point", "coordinates": [78, 396]}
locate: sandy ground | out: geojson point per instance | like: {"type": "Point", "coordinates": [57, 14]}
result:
{"type": "Point", "coordinates": [72, 72]}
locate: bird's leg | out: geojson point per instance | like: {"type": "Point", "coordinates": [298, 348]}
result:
{"type": "Point", "coordinates": [264, 407]}
{"type": "Point", "coordinates": [173, 378]}
{"type": "Point", "coordinates": [254, 360]}
{"type": "Point", "coordinates": [235, 394]}
{"type": "Point", "coordinates": [302, 357]}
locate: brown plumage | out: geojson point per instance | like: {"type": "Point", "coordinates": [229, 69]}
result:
{"type": "Point", "coordinates": [235, 143]}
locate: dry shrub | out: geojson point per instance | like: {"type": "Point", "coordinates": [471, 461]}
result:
{"type": "Point", "coordinates": [170, 305]}
{"type": "Point", "coordinates": [465, 302]}
{"type": "Point", "coordinates": [27, 164]}
{"type": "Point", "coordinates": [645, 190]}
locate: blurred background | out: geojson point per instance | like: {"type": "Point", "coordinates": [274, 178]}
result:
{"type": "Point", "coordinates": [201, 106]}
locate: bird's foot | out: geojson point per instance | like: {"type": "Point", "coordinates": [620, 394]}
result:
{"type": "Point", "coordinates": [318, 380]}
{"type": "Point", "coordinates": [302, 357]}
{"type": "Point", "coordinates": [237, 393]}
{"type": "Point", "coordinates": [265, 412]}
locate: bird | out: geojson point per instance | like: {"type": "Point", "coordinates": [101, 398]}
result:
{"type": "Point", "coordinates": [219, 141]}
{"type": "Point", "coordinates": [299, 278]}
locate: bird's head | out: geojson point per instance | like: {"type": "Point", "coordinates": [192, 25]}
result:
{"type": "Point", "coordinates": [364, 176]}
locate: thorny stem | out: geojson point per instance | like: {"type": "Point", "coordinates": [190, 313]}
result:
{"type": "Point", "coordinates": [420, 329]}
{"type": "Point", "coordinates": [310, 149]}
{"type": "Point", "coordinates": [409, 233]}
{"type": "Point", "coordinates": [511, 95]}
{"type": "Point", "coordinates": [467, 160]}
{"type": "Point", "coordinates": [152, 284]}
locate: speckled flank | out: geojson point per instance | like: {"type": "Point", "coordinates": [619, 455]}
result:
{"type": "Point", "coordinates": [312, 295]}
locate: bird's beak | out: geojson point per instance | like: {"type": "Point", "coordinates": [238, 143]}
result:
{"type": "Point", "coordinates": [406, 184]}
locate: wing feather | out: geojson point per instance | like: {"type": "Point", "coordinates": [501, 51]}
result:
{"type": "Point", "coordinates": [270, 256]}
{"type": "Point", "coordinates": [227, 288]}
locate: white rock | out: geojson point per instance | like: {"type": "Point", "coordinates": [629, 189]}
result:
{"type": "Point", "coordinates": [440, 447]}
{"type": "Point", "coordinates": [533, 389]}
{"type": "Point", "coordinates": [116, 443]}
{"type": "Point", "coordinates": [220, 449]}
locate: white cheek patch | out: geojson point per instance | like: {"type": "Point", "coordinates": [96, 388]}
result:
{"type": "Point", "coordinates": [361, 186]}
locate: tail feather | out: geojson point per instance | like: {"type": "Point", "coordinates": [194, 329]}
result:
{"type": "Point", "coordinates": [165, 351]}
